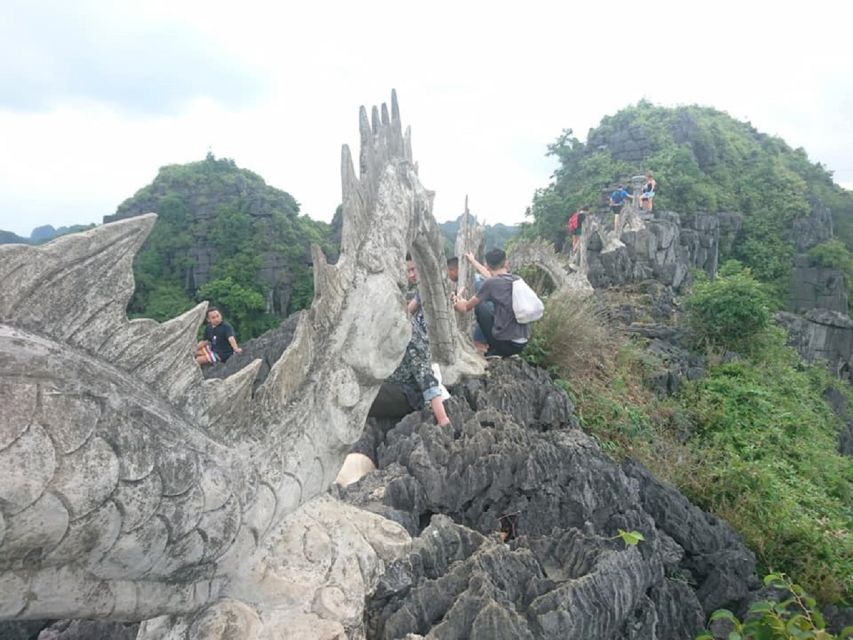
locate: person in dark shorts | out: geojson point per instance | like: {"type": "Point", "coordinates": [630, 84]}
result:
{"type": "Point", "coordinates": [647, 198]}
{"type": "Point", "coordinates": [617, 201]}
{"type": "Point", "coordinates": [504, 334]}
{"type": "Point", "coordinates": [219, 342]}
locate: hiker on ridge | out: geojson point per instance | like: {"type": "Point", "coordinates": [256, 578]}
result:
{"type": "Point", "coordinates": [616, 202]}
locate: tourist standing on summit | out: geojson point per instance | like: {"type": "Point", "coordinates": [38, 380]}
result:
{"type": "Point", "coordinates": [648, 195]}
{"type": "Point", "coordinates": [616, 202]}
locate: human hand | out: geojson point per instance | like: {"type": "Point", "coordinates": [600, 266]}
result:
{"type": "Point", "coordinates": [238, 350]}
{"type": "Point", "coordinates": [470, 257]}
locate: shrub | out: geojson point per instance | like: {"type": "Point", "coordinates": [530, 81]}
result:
{"type": "Point", "coordinates": [728, 312]}
{"type": "Point", "coordinates": [765, 460]}
{"type": "Point", "coordinates": [572, 339]}
{"type": "Point", "coordinates": [794, 618]}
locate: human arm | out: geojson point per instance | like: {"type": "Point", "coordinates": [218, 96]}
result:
{"type": "Point", "coordinates": [481, 269]}
{"type": "Point", "coordinates": [233, 342]}
{"type": "Point", "coordinates": [463, 305]}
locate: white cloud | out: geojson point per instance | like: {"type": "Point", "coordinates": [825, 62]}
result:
{"type": "Point", "coordinates": [485, 88]}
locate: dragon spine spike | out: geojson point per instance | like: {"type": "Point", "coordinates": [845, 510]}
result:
{"type": "Point", "coordinates": [229, 398]}
{"type": "Point", "coordinates": [98, 261]}
{"type": "Point", "coordinates": [157, 353]}
{"type": "Point", "coordinates": [375, 121]}
{"type": "Point", "coordinates": [385, 119]}
{"type": "Point", "coordinates": [395, 106]}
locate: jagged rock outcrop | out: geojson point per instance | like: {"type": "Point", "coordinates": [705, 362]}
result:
{"type": "Point", "coordinates": [527, 544]}
{"type": "Point", "coordinates": [815, 287]}
{"type": "Point", "coordinates": [806, 232]}
{"type": "Point", "coordinates": [131, 488]}
{"type": "Point", "coordinates": [820, 334]}
{"type": "Point", "coordinates": [663, 246]}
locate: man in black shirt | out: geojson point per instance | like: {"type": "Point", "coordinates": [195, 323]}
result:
{"type": "Point", "coordinates": [219, 342]}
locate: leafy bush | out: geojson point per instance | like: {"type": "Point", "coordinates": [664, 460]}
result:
{"type": "Point", "coordinates": [218, 212]}
{"type": "Point", "coordinates": [794, 618]}
{"type": "Point", "coordinates": [835, 255]}
{"type": "Point", "coordinates": [728, 312]}
{"type": "Point", "coordinates": [764, 458]}
{"type": "Point", "coordinates": [703, 160]}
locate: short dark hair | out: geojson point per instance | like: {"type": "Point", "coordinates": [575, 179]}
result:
{"type": "Point", "coordinates": [211, 310]}
{"type": "Point", "coordinates": [496, 258]}
{"type": "Point", "coordinates": [452, 261]}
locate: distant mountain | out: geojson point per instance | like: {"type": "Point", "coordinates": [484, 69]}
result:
{"type": "Point", "coordinates": [7, 237]}
{"type": "Point", "coordinates": [41, 234]}
{"type": "Point", "coordinates": [703, 161]}
{"type": "Point", "coordinates": [224, 235]}
{"type": "Point", "coordinates": [497, 235]}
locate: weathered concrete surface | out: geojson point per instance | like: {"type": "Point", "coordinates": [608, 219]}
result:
{"type": "Point", "coordinates": [129, 486]}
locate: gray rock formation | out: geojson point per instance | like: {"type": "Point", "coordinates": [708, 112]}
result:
{"type": "Point", "coordinates": [527, 543]}
{"type": "Point", "coordinates": [817, 288]}
{"type": "Point", "coordinates": [470, 238]}
{"type": "Point", "coordinates": [662, 247]}
{"type": "Point", "coordinates": [130, 487]}
{"type": "Point", "coordinates": [820, 334]}
{"type": "Point", "coordinates": [814, 229]}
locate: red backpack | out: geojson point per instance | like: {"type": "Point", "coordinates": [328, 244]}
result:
{"type": "Point", "coordinates": [573, 221]}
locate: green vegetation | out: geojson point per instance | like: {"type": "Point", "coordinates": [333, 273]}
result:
{"type": "Point", "coordinates": [834, 254]}
{"type": "Point", "coordinates": [729, 311]}
{"type": "Point", "coordinates": [764, 458]}
{"type": "Point", "coordinates": [752, 441]}
{"type": "Point", "coordinates": [703, 160]}
{"type": "Point", "coordinates": [213, 210]}
{"type": "Point", "coordinates": [794, 618]}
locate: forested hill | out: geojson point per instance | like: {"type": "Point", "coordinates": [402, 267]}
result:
{"type": "Point", "coordinates": [703, 160]}
{"type": "Point", "coordinates": [226, 236]}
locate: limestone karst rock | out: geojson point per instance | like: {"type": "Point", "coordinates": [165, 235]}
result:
{"type": "Point", "coordinates": [516, 515]}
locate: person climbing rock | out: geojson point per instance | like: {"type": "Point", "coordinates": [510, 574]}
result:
{"type": "Point", "coordinates": [414, 379]}
{"type": "Point", "coordinates": [503, 333]}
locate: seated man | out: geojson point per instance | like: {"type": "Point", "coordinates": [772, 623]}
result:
{"type": "Point", "coordinates": [219, 341]}
{"type": "Point", "coordinates": [504, 334]}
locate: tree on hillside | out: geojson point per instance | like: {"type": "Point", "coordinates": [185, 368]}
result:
{"type": "Point", "coordinates": [250, 236]}
{"type": "Point", "coordinates": [703, 160]}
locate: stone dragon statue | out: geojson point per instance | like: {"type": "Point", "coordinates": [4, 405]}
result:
{"type": "Point", "coordinates": [131, 488]}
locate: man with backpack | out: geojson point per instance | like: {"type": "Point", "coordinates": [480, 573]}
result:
{"type": "Point", "coordinates": [575, 225]}
{"type": "Point", "coordinates": [617, 200]}
{"type": "Point", "coordinates": [504, 333]}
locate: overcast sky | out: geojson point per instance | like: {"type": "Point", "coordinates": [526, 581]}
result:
{"type": "Point", "coordinates": [96, 96]}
